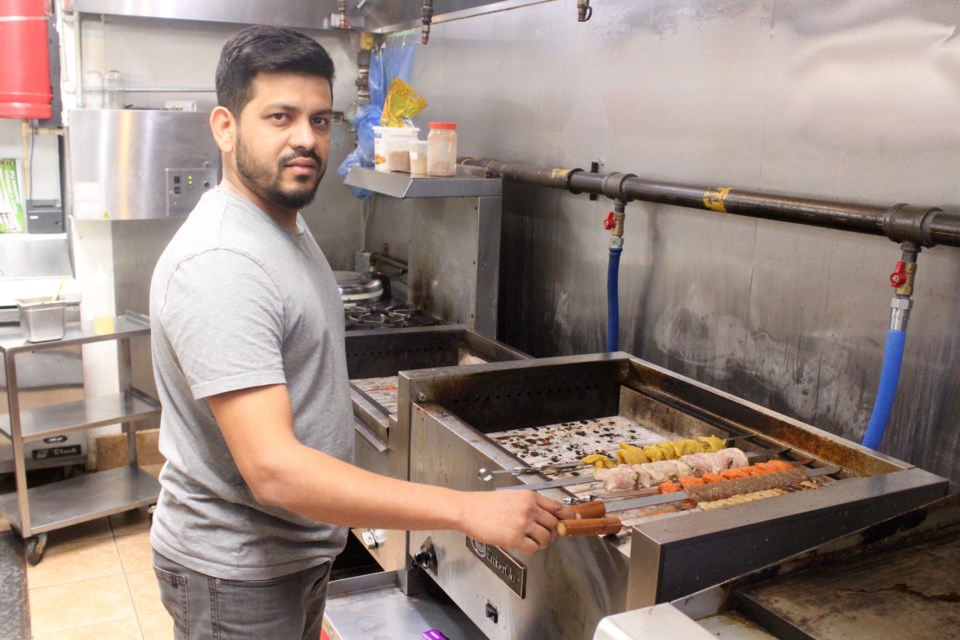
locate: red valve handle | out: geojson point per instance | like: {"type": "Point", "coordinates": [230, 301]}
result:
{"type": "Point", "coordinates": [609, 222]}
{"type": "Point", "coordinates": [899, 276]}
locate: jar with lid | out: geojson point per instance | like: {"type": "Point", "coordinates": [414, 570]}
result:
{"type": "Point", "coordinates": [442, 149]}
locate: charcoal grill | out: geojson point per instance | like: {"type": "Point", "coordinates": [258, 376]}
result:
{"type": "Point", "coordinates": [374, 358]}
{"type": "Point", "coordinates": [457, 413]}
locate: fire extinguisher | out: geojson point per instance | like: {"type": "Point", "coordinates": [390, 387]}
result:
{"type": "Point", "coordinates": [25, 90]}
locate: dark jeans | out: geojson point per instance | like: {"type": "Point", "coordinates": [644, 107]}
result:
{"type": "Point", "coordinates": [205, 608]}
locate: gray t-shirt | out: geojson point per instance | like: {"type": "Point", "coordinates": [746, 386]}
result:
{"type": "Point", "coordinates": [236, 302]}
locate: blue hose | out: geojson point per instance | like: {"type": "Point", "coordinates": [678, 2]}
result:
{"type": "Point", "coordinates": [887, 392]}
{"type": "Point", "coordinates": [613, 299]}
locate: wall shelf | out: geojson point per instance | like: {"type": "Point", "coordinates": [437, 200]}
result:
{"type": "Point", "coordinates": [468, 183]}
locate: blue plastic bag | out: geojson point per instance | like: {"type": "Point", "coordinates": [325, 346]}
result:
{"type": "Point", "coordinates": [394, 59]}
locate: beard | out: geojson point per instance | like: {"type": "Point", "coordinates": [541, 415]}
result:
{"type": "Point", "coordinates": [267, 182]}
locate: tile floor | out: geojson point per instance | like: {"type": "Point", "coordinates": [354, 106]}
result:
{"type": "Point", "coordinates": [96, 581]}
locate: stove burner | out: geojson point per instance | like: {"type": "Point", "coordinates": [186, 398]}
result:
{"type": "Point", "coordinates": [387, 315]}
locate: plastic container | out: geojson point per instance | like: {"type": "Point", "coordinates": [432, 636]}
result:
{"type": "Point", "coordinates": [42, 320]}
{"type": "Point", "coordinates": [382, 137]}
{"type": "Point", "coordinates": [418, 158]}
{"type": "Point", "coordinates": [398, 150]}
{"type": "Point", "coordinates": [442, 149]}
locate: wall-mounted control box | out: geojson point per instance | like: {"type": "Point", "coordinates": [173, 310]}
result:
{"type": "Point", "coordinates": [185, 186]}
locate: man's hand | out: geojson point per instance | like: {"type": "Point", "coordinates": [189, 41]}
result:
{"type": "Point", "coordinates": [521, 520]}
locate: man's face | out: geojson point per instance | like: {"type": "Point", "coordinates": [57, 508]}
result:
{"type": "Point", "coordinates": [283, 138]}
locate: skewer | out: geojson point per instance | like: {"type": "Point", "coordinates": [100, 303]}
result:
{"type": "Point", "coordinates": [487, 474]}
{"type": "Point", "coordinates": [588, 478]}
{"type": "Point", "coordinates": [548, 469]}
{"type": "Point", "coordinates": [592, 521]}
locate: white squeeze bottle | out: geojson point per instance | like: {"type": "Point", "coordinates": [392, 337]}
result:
{"type": "Point", "coordinates": [102, 302]}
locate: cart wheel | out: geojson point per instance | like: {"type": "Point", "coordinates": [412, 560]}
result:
{"type": "Point", "coordinates": [36, 545]}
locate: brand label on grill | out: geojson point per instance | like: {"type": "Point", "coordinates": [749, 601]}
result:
{"type": "Point", "coordinates": [57, 452]}
{"type": "Point", "coordinates": [513, 574]}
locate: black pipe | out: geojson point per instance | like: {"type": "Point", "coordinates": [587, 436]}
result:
{"type": "Point", "coordinates": [526, 173]}
{"type": "Point", "coordinates": [927, 226]}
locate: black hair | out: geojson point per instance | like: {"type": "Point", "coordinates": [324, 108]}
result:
{"type": "Point", "coordinates": [265, 48]}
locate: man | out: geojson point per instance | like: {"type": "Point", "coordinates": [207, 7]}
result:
{"type": "Point", "coordinates": [250, 366]}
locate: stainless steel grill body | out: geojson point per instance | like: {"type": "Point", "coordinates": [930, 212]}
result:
{"type": "Point", "coordinates": [564, 591]}
{"type": "Point", "coordinates": [382, 435]}
{"type": "Point", "coordinates": [895, 579]}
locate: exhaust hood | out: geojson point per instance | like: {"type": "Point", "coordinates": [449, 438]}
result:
{"type": "Point", "coordinates": [379, 16]}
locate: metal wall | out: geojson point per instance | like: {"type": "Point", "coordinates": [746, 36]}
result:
{"type": "Point", "coordinates": [854, 99]}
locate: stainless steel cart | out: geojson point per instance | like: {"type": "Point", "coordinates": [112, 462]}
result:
{"type": "Point", "coordinates": [35, 511]}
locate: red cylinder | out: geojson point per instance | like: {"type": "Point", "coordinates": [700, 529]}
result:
{"type": "Point", "coordinates": [24, 60]}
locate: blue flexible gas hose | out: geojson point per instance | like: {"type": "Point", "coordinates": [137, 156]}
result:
{"type": "Point", "coordinates": [613, 299]}
{"type": "Point", "coordinates": [887, 392]}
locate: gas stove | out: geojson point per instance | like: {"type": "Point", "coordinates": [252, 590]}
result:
{"type": "Point", "coordinates": [387, 315]}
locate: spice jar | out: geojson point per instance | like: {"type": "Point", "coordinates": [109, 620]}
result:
{"type": "Point", "coordinates": [418, 157]}
{"type": "Point", "coordinates": [442, 149]}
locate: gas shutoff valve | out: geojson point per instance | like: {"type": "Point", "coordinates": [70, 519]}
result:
{"type": "Point", "coordinates": [899, 276]}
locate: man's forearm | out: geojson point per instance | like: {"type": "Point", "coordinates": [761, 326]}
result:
{"type": "Point", "coordinates": [318, 486]}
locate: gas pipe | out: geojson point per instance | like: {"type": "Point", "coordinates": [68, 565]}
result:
{"type": "Point", "coordinates": [25, 90]}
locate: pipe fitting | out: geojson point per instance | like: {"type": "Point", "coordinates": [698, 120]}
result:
{"type": "Point", "coordinates": [907, 223]}
{"type": "Point", "coordinates": [906, 270]}
{"type": "Point", "coordinates": [584, 10]}
{"type": "Point", "coordinates": [612, 185]}
{"type": "Point", "coordinates": [900, 313]}
{"type": "Point", "coordinates": [426, 17]}
{"type": "Point", "coordinates": [616, 220]}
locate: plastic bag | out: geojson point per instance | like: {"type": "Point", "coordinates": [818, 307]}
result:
{"type": "Point", "coordinates": [394, 59]}
{"type": "Point", "coordinates": [402, 103]}
{"type": "Point", "coordinates": [367, 117]}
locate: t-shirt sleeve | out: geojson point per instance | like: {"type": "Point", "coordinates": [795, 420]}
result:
{"type": "Point", "coordinates": [223, 316]}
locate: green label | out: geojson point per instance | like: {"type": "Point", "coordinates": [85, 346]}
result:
{"type": "Point", "coordinates": [11, 205]}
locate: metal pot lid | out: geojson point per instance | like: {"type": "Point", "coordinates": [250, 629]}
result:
{"type": "Point", "coordinates": [357, 286]}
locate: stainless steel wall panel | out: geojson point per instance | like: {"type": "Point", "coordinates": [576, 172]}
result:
{"type": "Point", "coordinates": [26, 255]}
{"type": "Point", "coordinates": [856, 100]}
{"type": "Point", "coordinates": [334, 215]}
{"type": "Point", "coordinates": [443, 238]}
{"type": "Point", "coordinates": [118, 160]}
{"type": "Point", "coordinates": [452, 247]}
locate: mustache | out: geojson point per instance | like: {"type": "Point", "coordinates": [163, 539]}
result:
{"type": "Point", "coordinates": [313, 155]}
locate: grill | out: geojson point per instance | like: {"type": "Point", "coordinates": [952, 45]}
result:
{"type": "Point", "coordinates": [500, 416]}
{"type": "Point", "coordinates": [374, 359]}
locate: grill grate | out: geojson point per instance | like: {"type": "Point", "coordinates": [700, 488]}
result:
{"type": "Point", "coordinates": [571, 441]}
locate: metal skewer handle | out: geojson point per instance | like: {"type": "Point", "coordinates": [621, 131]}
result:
{"type": "Point", "coordinates": [487, 474]}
